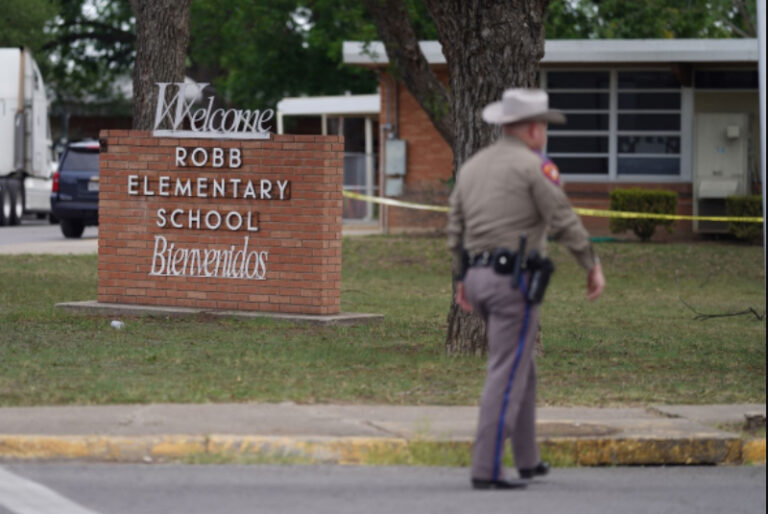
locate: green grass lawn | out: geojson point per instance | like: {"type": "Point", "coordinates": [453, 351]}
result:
{"type": "Point", "coordinates": [638, 344]}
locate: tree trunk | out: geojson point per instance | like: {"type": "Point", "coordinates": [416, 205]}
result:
{"type": "Point", "coordinates": [407, 63]}
{"type": "Point", "coordinates": [489, 45]}
{"type": "Point", "coordinates": [162, 36]}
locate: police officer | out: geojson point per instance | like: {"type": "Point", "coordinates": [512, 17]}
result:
{"type": "Point", "coordinates": [506, 196]}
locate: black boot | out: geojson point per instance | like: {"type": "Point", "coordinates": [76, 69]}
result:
{"type": "Point", "coordinates": [541, 469]}
{"type": "Point", "coordinates": [496, 484]}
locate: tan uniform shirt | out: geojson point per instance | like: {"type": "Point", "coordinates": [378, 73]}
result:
{"type": "Point", "coordinates": [501, 192]}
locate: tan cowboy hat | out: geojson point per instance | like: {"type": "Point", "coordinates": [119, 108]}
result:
{"type": "Point", "coordinates": [522, 105]}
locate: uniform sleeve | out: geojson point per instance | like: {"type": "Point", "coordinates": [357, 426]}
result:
{"type": "Point", "coordinates": [564, 224]}
{"type": "Point", "coordinates": [455, 228]}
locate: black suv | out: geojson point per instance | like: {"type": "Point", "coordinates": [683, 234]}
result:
{"type": "Point", "coordinates": [75, 195]}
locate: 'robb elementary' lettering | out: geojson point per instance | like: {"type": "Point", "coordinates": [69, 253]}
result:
{"type": "Point", "coordinates": [205, 121]}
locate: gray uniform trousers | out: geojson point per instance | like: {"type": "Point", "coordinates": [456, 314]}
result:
{"type": "Point", "coordinates": [508, 405]}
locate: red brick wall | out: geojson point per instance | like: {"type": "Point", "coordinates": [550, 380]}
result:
{"type": "Point", "coordinates": [429, 160]}
{"type": "Point", "coordinates": [300, 234]}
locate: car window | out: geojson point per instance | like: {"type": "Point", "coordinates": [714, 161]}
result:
{"type": "Point", "coordinates": [80, 160]}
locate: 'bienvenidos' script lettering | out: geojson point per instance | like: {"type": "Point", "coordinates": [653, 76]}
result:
{"type": "Point", "coordinates": [170, 260]}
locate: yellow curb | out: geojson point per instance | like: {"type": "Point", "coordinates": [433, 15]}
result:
{"type": "Point", "coordinates": [347, 450]}
{"type": "Point", "coordinates": [176, 446]}
{"type": "Point", "coordinates": [601, 452]}
{"type": "Point", "coordinates": [373, 450]}
{"type": "Point", "coordinates": [43, 447]}
{"type": "Point", "coordinates": [107, 448]}
{"type": "Point", "coordinates": [753, 451]}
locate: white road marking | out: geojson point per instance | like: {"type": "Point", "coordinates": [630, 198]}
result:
{"type": "Point", "coordinates": [22, 496]}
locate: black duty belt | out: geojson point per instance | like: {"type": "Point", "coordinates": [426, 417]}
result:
{"type": "Point", "coordinates": [501, 259]}
{"type": "Point", "coordinates": [536, 268]}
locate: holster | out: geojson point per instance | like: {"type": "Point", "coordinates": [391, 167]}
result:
{"type": "Point", "coordinates": [540, 270]}
{"type": "Point", "coordinates": [463, 266]}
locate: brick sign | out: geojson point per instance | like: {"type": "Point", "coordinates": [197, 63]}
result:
{"type": "Point", "coordinates": [224, 224]}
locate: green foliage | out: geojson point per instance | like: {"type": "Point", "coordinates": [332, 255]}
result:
{"type": "Point", "coordinates": [422, 20]}
{"type": "Point", "coordinates": [569, 20]}
{"type": "Point", "coordinates": [255, 53]}
{"type": "Point", "coordinates": [642, 200]}
{"type": "Point", "coordinates": [620, 19]}
{"type": "Point", "coordinates": [748, 207]}
{"type": "Point", "coordinates": [91, 46]}
{"type": "Point", "coordinates": [22, 25]}
{"type": "Point", "coordinates": [258, 52]}
{"type": "Point", "coordinates": [81, 46]}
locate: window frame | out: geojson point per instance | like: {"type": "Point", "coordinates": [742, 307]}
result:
{"type": "Point", "coordinates": [685, 132]}
{"type": "Point", "coordinates": [597, 177]}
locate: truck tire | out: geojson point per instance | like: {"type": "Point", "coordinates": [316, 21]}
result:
{"type": "Point", "coordinates": [17, 200]}
{"type": "Point", "coordinates": [5, 203]}
{"type": "Point", "coordinates": [72, 228]}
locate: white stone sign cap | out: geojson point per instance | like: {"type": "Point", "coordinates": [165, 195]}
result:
{"type": "Point", "coordinates": [205, 121]}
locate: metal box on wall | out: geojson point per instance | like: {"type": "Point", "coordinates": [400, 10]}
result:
{"type": "Point", "coordinates": [394, 167]}
{"type": "Point", "coordinates": [720, 166]}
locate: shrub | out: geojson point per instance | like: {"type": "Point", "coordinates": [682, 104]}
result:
{"type": "Point", "coordinates": [745, 207]}
{"type": "Point", "coordinates": [657, 201]}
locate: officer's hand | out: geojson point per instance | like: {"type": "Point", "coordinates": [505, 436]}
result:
{"type": "Point", "coordinates": [595, 282]}
{"type": "Point", "coordinates": [461, 299]}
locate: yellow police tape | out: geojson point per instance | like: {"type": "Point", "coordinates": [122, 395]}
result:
{"type": "Point", "coordinates": [581, 211]}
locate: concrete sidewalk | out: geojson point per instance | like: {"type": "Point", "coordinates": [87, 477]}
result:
{"type": "Point", "coordinates": [360, 434]}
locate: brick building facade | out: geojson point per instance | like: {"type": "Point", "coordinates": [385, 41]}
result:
{"type": "Point", "coordinates": [637, 113]}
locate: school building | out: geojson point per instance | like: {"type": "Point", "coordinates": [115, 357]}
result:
{"type": "Point", "coordinates": [681, 115]}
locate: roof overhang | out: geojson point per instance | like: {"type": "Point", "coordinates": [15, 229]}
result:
{"type": "Point", "coordinates": [330, 105]}
{"type": "Point", "coordinates": [593, 51]}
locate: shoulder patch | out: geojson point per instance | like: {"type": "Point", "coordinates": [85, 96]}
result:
{"type": "Point", "coordinates": [550, 170]}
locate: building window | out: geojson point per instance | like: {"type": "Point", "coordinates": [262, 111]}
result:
{"type": "Point", "coordinates": [581, 146]}
{"type": "Point", "coordinates": [726, 79]}
{"type": "Point", "coordinates": [648, 129]}
{"type": "Point", "coordinates": [620, 123]}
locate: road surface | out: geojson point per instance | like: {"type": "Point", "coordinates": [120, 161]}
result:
{"type": "Point", "coordinates": [80, 488]}
{"type": "Point", "coordinates": [39, 236]}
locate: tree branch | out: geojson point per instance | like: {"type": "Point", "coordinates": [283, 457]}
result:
{"type": "Point", "coordinates": [749, 25]}
{"type": "Point", "coordinates": [702, 317]}
{"type": "Point", "coordinates": [93, 24]}
{"type": "Point", "coordinates": [739, 32]}
{"type": "Point", "coordinates": [394, 26]}
{"type": "Point", "coordinates": [107, 37]}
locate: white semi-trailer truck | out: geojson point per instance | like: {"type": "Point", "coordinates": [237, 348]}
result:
{"type": "Point", "coordinates": [25, 141]}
